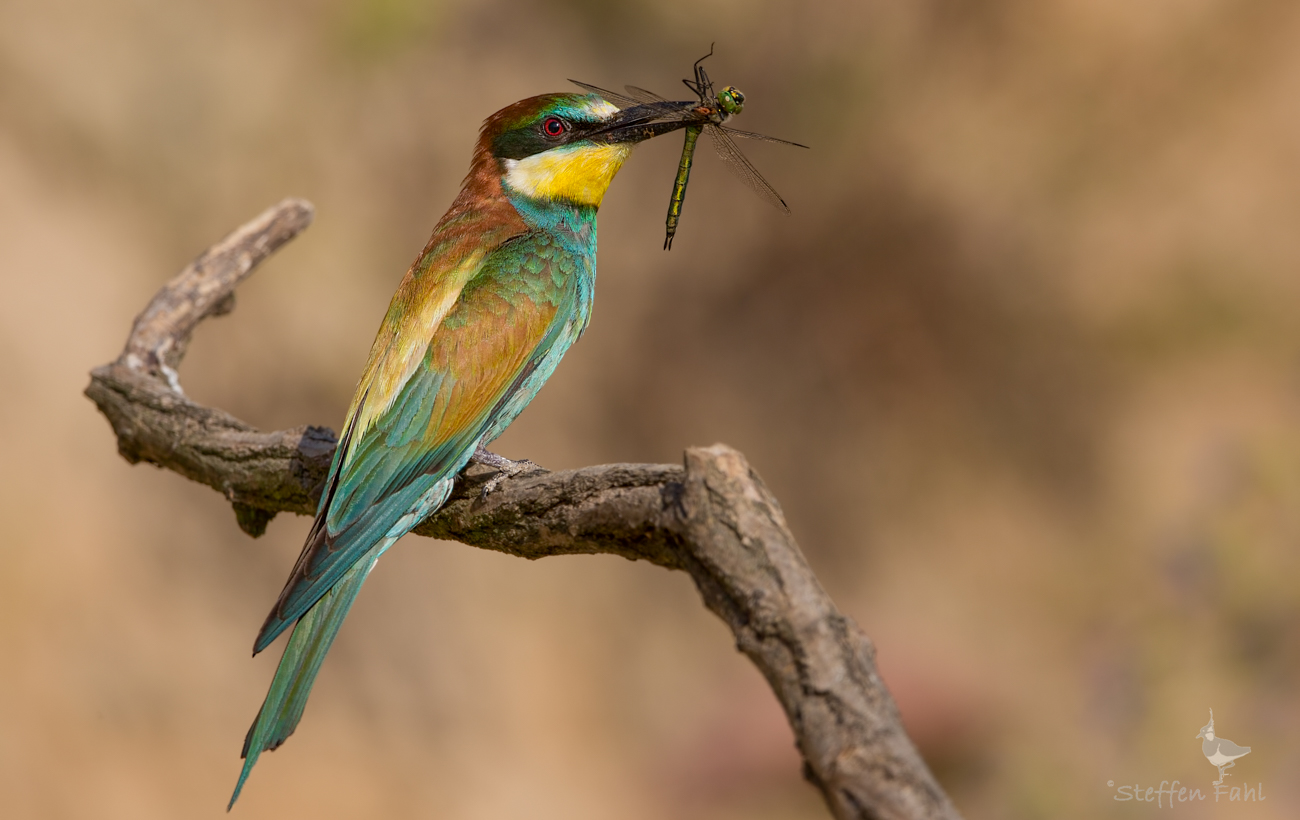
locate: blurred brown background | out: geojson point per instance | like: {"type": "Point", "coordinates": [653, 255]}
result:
{"type": "Point", "coordinates": [1022, 367]}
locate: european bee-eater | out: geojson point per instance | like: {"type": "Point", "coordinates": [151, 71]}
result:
{"type": "Point", "coordinates": [477, 325]}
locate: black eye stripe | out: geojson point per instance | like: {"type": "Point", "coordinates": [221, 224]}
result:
{"type": "Point", "coordinates": [541, 134]}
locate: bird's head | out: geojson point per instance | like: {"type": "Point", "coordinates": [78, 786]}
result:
{"type": "Point", "coordinates": [564, 147]}
{"type": "Point", "coordinates": [1207, 731]}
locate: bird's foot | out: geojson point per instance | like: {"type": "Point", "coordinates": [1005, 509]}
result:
{"type": "Point", "coordinates": [505, 467]}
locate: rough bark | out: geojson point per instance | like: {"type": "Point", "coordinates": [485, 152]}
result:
{"type": "Point", "coordinates": [711, 517]}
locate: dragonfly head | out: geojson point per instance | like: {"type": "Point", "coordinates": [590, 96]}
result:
{"type": "Point", "coordinates": [731, 100]}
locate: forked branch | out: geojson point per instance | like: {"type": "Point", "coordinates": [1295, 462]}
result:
{"type": "Point", "coordinates": [711, 517]}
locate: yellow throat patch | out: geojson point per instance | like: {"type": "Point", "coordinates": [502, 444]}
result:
{"type": "Point", "coordinates": [578, 173]}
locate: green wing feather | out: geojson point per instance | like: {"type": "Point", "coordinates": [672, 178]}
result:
{"type": "Point", "coordinates": [502, 324]}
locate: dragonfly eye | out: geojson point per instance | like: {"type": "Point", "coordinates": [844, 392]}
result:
{"type": "Point", "coordinates": [731, 100]}
{"type": "Point", "coordinates": [554, 127]}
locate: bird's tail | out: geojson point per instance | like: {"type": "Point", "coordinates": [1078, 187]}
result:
{"type": "Point", "coordinates": [308, 644]}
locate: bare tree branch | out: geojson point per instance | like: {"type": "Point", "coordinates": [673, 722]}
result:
{"type": "Point", "coordinates": [712, 518]}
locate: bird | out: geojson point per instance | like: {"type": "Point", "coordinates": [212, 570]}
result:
{"type": "Point", "coordinates": [479, 322]}
{"type": "Point", "coordinates": [1220, 751]}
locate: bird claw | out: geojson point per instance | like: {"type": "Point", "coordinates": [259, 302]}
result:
{"type": "Point", "coordinates": [505, 467]}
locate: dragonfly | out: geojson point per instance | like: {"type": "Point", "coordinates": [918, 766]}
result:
{"type": "Point", "coordinates": [709, 114]}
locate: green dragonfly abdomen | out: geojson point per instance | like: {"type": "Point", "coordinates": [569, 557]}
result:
{"type": "Point", "coordinates": [679, 185]}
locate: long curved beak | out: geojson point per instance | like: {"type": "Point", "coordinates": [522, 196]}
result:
{"type": "Point", "coordinates": [642, 122]}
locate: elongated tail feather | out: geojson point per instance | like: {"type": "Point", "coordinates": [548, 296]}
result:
{"type": "Point", "coordinates": [308, 645]}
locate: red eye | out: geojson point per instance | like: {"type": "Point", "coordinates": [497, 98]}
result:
{"type": "Point", "coordinates": [554, 126]}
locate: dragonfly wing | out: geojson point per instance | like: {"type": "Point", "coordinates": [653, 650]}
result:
{"type": "Point", "coordinates": [656, 107]}
{"type": "Point", "coordinates": [620, 100]}
{"type": "Point", "coordinates": [743, 168]}
{"type": "Point", "coordinates": [639, 93]}
{"type": "Point", "coordinates": [750, 135]}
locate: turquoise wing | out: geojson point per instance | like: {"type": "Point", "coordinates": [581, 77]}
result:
{"type": "Point", "coordinates": [509, 319]}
